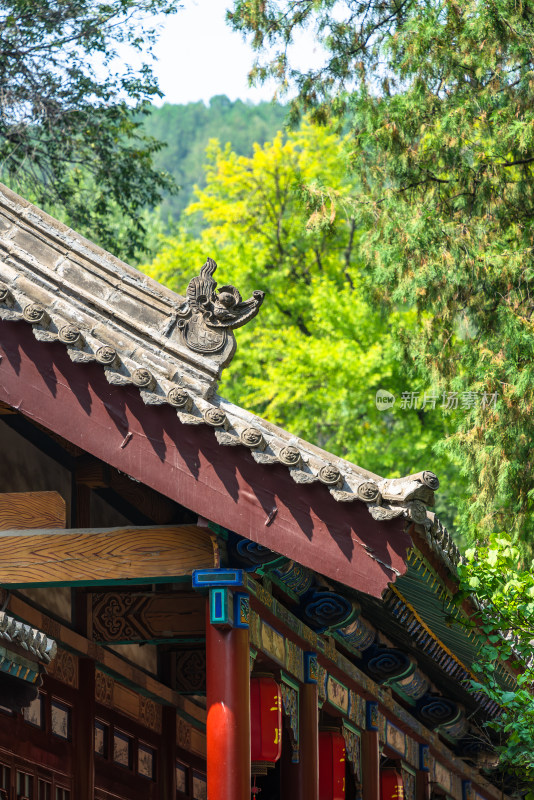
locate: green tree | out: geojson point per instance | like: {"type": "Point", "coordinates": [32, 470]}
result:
{"type": "Point", "coordinates": [70, 133]}
{"type": "Point", "coordinates": [318, 352]}
{"type": "Point", "coordinates": [187, 129]}
{"type": "Point", "coordinates": [504, 586]}
{"type": "Point", "coordinates": [439, 99]}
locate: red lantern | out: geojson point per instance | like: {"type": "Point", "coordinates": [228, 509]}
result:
{"type": "Point", "coordinates": [265, 724]}
{"type": "Point", "coordinates": [391, 785]}
{"type": "Point", "coordinates": [331, 766]}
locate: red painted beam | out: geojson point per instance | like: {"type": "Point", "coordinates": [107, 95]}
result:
{"type": "Point", "coordinates": [186, 463]}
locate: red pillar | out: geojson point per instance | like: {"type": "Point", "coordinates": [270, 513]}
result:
{"type": "Point", "coordinates": [301, 781]}
{"type": "Point", "coordinates": [370, 766]}
{"type": "Point", "coordinates": [228, 707]}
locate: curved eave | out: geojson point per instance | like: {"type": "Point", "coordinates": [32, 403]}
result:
{"type": "Point", "coordinates": [186, 463]}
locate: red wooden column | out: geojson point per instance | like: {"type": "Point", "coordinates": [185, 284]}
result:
{"type": "Point", "coordinates": [228, 707]}
{"type": "Point", "coordinates": [371, 755]}
{"type": "Point", "coordinates": [308, 788]}
{"type": "Point", "coordinates": [301, 781]}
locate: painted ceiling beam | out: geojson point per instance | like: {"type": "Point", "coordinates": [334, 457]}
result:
{"type": "Point", "coordinates": [120, 617]}
{"type": "Point", "coordinates": [81, 557]}
{"type": "Point", "coordinates": [32, 510]}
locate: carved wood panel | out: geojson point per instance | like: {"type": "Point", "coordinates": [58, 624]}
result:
{"type": "Point", "coordinates": [144, 617]}
{"type": "Point", "coordinates": [115, 695]}
{"type": "Point", "coordinates": [64, 668]}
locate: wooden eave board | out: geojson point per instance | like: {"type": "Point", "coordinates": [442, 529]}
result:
{"type": "Point", "coordinates": [185, 463]}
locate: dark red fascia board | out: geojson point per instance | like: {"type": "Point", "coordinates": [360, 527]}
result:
{"type": "Point", "coordinates": [186, 463]}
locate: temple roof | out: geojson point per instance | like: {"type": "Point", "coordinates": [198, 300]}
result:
{"type": "Point", "coordinates": [134, 383]}
{"type": "Point", "coordinates": [172, 349]}
{"type": "Point", "coordinates": [30, 641]}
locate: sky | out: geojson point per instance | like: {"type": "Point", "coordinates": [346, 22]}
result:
{"type": "Point", "coordinates": [199, 56]}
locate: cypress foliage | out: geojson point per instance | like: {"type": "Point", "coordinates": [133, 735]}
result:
{"type": "Point", "coordinates": [439, 98]}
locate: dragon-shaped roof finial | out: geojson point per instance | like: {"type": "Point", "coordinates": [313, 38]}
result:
{"type": "Point", "coordinates": [208, 315]}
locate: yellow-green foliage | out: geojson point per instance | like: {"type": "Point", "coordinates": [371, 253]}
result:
{"type": "Point", "coordinates": [315, 356]}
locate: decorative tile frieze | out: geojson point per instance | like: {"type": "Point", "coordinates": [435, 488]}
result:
{"type": "Point", "coordinates": [279, 648]}
{"type": "Point", "coordinates": [424, 758]}
{"type": "Point", "coordinates": [382, 728]}
{"type": "Point", "coordinates": [294, 660]}
{"type": "Point", "coordinates": [353, 751]}
{"type": "Point", "coordinates": [190, 670]}
{"type": "Point", "coordinates": [273, 643]}
{"type": "Point", "coordinates": [290, 708]}
{"type": "Point", "coordinates": [372, 717]}
{"type": "Point", "coordinates": [311, 668]}
{"type": "Point", "coordinates": [64, 668]}
{"type": "Point", "coordinates": [441, 776]}
{"type": "Point", "coordinates": [395, 738]}
{"type": "Point", "coordinates": [290, 621]}
{"type": "Point", "coordinates": [357, 710]}
{"type": "Point", "coordinates": [241, 610]}
{"type": "Point", "coordinates": [103, 688]}
{"type": "Point", "coordinates": [337, 694]}
{"type": "Point", "coordinates": [408, 780]}
{"type": "Point", "coordinates": [149, 714]}
{"type": "Point", "coordinates": [183, 733]}
{"type": "Point", "coordinates": [265, 597]}
{"type": "Point", "coordinates": [322, 676]}
{"type": "Point", "coordinates": [412, 752]}
{"type": "Point", "coordinates": [115, 695]}
{"type": "Point", "coordinates": [255, 630]}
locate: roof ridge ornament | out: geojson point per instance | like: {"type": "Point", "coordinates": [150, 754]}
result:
{"type": "Point", "coordinates": [207, 315]}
